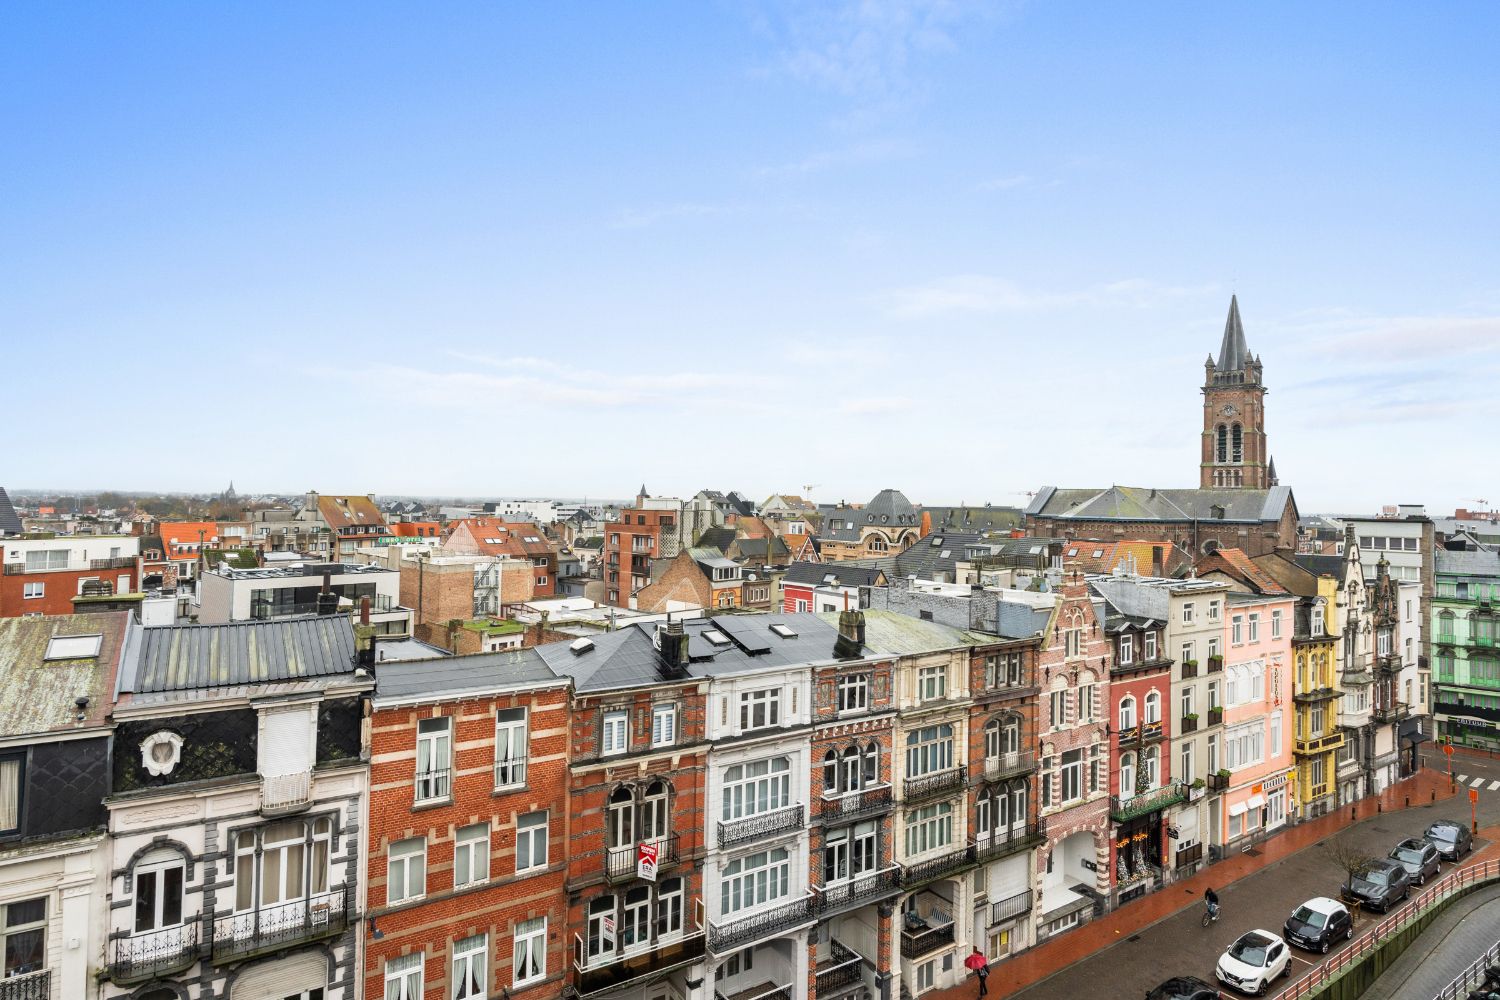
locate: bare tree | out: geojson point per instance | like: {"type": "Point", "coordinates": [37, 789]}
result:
{"type": "Point", "coordinates": [1353, 862]}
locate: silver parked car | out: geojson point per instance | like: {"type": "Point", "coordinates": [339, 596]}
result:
{"type": "Point", "coordinates": [1419, 858]}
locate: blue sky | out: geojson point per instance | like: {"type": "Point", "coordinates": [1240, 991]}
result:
{"type": "Point", "coordinates": [960, 249]}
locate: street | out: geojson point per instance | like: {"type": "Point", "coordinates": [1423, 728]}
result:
{"type": "Point", "coordinates": [1180, 945]}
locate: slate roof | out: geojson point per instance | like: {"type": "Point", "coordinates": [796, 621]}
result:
{"type": "Point", "coordinates": [450, 676]}
{"type": "Point", "coordinates": [1232, 352]}
{"type": "Point", "coordinates": [1137, 503]}
{"type": "Point", "coordinates": [935, 555]}
{"type": "Point", "coordinates": [756, 548]}
{"type": "Point", "coordinates": [1020, 621]}
{"type": "Point", "coordinates": [10, 522]}
{"type": "Point", "coordinates": [38, 695]}
{"type": "Point", "coordinates": [892, 633]}
{"type": "Point", "coordinates": [1131, 599]}
{"type": "Point", "coordinates": [889, 509]}
{"type": "Point", "coordinates": [1467, 563]}
{"type": "Point", "coordinates": [716, 538]}
{"type": "Point", "coordinates": [185, 657]}
{"type": "Point", "coordinates": [628, 656]}
{"type": "Point", "coordinates": [1319, 565]}
{"type": "Point", "coordinates": [986, 518]}
{"type": "Point", "coordinates": [844, 575]}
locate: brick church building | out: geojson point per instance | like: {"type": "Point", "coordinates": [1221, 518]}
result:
{"type": "Point", "coordinates": [1238, 502]}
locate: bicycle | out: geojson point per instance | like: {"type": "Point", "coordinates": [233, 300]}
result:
{"type": "Point", "coordinates": [1210, 914]}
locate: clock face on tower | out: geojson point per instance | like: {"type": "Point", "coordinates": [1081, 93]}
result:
{"type": "Point", "coordinates": [1229, 410]}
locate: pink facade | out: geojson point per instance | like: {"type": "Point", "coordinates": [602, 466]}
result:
{"type": "Point", "coordinates": [1256, 743]}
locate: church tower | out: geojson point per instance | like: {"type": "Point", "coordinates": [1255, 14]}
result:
{"type": "Point", "coordinates": [1234, 416]}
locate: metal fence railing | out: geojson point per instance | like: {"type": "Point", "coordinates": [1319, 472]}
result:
{"type": "Point", "coordinates": [1472, 977]}
{"type": "Point", "coordinates": [1367, 943]}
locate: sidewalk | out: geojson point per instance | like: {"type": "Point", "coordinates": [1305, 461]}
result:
{"type": "Point", "coordinates": [1033, 966]}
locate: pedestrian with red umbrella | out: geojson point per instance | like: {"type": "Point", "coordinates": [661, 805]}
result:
{"type": "Point", "coordinates": [977, 964]}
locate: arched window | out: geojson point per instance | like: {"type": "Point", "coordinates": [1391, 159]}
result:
{"type": "Point", "coordinates": [992, 738]}
{"type": "Point", "coordinates": [878, 543]}
{"type": "Point", "coordinates": [1237, 443]}
{"type": "Point", "coordinates": [620, 818]}
{"type": "Point", "coordinates": [1127, 712]}
{"type": "Point", "coordinates": [157, 882]}
{"type": "Point", "coordinates": [984, 815]}
{"type": "Point", "coordinates": [1153, 707]}
{"type": "Point", "coordinates": [654, 818]}
{"type": "Point", "coordinates": [871, 763]}
{"type": "Point", "coordinates": [853, 776]}
{"type": "Point", "coordinates": [1127, 774]}
{"type": "Point", "coordinates": [1221, 449]}
{"type": "Point", "coordinates": [831, 770]}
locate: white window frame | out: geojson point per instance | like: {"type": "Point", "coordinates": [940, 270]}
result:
{"type": "Point", "coordinates": [511, 734]}
{"type": "Point", "coordinates": [663, 725]}
{"type": "Point", "coordinates": [755, 787]}
{"type": "Point", "coordinates": [436, 783]}
{"type": "Point", "coordinates": [404, 972]}
{"type": "Point", "coordinates": [529, 952]}
{"type": "Point", "coordinates": [852, 692]}
{"type": "Point", "coordinates": [471, 967]}
{"type": "Point", "coordinates": [32, 590]}
{"type": "Point", "coordinates": [932, 682]}
{"type": "Point", "coordinates": [471, 848]}
{"type": "Point", "coordinates": [410, 855]}
{"type": "Point", "coordinates": [755, 880]}
{"type": "Point", "coordinates": [531, 831]}
{"type": "Point", "coordinates": [764, 703]}
{"type": "Point", "coordinates": [614, 733]}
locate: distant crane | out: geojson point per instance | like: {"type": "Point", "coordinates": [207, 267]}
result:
{"type": "Point", "coordinates": [1022, 493]}
{"type": "Point", "coordinates": [1482, 503]}
{"type": "Point", "coordinates": [810, 487]}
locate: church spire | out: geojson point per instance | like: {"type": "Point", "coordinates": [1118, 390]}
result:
{"type": "Point", "coordinates": [1233, 354]}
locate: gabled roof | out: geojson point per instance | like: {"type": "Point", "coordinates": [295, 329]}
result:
{"type": "Point", "coordinates": [188, 657]}
{"type": "Point", "coordinates": [837, 574]}
{"type": "Point", "coordinates": [10, 522]}
{"type": "Point", "coordinates": [1136, 503]}
{"type": "Point", "coordinates": [717, 538]}
{"type": "Point", "coordinates": [349, 511]}
{"type": "Point", "coordinates": [936, 555]}
{"type": "Point", "coordinates": [1237, 564]}
{"type": "Point", "coordinates": [1467, 563]}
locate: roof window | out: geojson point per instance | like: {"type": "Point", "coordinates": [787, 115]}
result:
{"type": "Point", "coordinates": [785, 631]}
{"type": "Point", "coordinates": [73, 647]}
{"type": "Point", "coordinates": [716, 637]}
{"type": "Point", "coordinates": [580, 646]}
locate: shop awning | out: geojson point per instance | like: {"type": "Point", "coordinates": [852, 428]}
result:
{"type": "Point", "coordinates": [1238, 809]}
{"type": "Point", "coordinates": [1257, 801]}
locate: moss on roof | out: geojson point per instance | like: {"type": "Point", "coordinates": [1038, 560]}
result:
{"type": "Point", "coordinates": [490, 626]}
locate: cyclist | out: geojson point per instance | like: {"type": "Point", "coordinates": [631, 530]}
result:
{"type": "Point", "coordinates": [1211, 900]}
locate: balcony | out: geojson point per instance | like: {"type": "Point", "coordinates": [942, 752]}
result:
{"type": "Point", "coordinates": [1215, 664]}
{"type": "Point", "coordinates": [916, 942]}
{"type": "Point", "coordinates": [856, 805]}
{"type": "Point", "coordinates": [72, 565]}
{"type": "Point", "coordinates": [1189, 856]}
{"type": "Point", "coordinates": [28, 986]}
{"type": "Point", "coordinates": [281, 794]}
{"type": "Point", "coordinates": [608, 970]}
{"type": "Point", "coordinates": [1218, 782]}
{"type": "Point", "coordinates": [1128, 734]}
{"type": "Point", "coordinates": [1007, 840]}
{"type": "Point", "coordinates": [1152, 732]}
{"type": "Point", "coordinates": [760, 991]}
{"type": "Point", "coordinates": [1318, 744]}
{"type": "Point", "coordinates": [1155, 800]}
{"type": "Point", "coordinates": [1188, 724]}
{"type": "Point", "coordinates": [842, 969]}
{"type": "Point", "coordinates": [621, 864]}
{"type": "Point", "coordinates": [937, 783]}
{"type": "Point", "coordinates": [919, 873]}
{"type": "Point", "coordinates": [734, 934]}
{"type": "Point", "coordinates": [510, 772]}
{"type": "Point", "coordinates": [1008, 909]}
{"type": "Point", "coordinates": [1389, 713]}
{"type": "Point", "coordinates": [857, 891]}
{"type": "Point", "coordinates": [1215, 716]}
{"type": "Point", "coordinates": [272, 928]}
{"type": "Point", "coordinates": [433, 785]}
{"type": "Point", "coordinates": [1315, 695]}
{"type": "Point", "coordinates": [1009, 765]}
{"type": "Point", "coordinates": [1189, 669]}
{"type": "Point", "coordinates": [742, 831]}
{"type": "Point", "coordinates": [141, 957]}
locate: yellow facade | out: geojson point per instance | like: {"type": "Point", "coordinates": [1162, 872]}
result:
{"type": "Point", "coordinates": [1316, 693]}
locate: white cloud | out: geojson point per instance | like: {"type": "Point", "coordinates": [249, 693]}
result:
{"type": "Point", "coordinates": [1003, 183]}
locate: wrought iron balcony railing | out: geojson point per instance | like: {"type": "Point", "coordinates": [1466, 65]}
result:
{"type": "Point", "coordinates": [510, 772]}
{"type": "Point", "coordinates": [733, 933]}
{"type": "Point", "coordinates": [283, 793]}
{"type": "Point", "coordinates": [1009, 765]}
{"type": "Point", "coordinates": [851, 806]}
{"type": "Point", "coordinates": [1123, 808]}
{"type": "Point", "coordinates": [1014, 906]}
{"type": "Point", "coordinates": [432, 785]}
{"type": "Point", "coordinates": [157, 953]}
{"type": "Point", "coordinates": [860, 889]}
{"type": "Point", "coordinates": [270, 928]}
{"type": "Point", "coordinates": [841, 969]}
{"type": "Point", "coordinates": [938, 782]}
{"type": "Point", "coordinates": [1007, 840]}
{"type": "Point", "coordinates": [621, 864]}
{"type": "Point", "coordinates": [27, 986]}
{"type": "Point", "coordinates": [917, 942]}
{"type": "Point", "coordinates": [741, 831]}
{"type": "Point", "coordinates": [930, 869]}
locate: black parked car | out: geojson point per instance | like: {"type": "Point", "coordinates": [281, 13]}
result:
{"type": "Point", "coordinates": [1184, 988]}
{"type": "Point", "coordinates": [1452, 840]}
{"type": "Point", "coordinates": [1317, 923]}
{"type": "Point", "coordinates": [1418, 857]}
{"type": "Point", "coordinates": [1384, 883]}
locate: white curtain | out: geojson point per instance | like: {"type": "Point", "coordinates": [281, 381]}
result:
{"type": "Point", "coordinates": [10, 794]}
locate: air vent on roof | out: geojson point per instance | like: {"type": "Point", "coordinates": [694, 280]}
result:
{"type": "Point", "coordinates": [784, 631]}
{"type": "Point", "coordinates": [716, 637]}
{"type": "Point", "coordinates": [580, 646]}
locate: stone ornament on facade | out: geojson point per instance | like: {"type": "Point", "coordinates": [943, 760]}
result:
{"type": "Point", "coordinates": [160, 753]}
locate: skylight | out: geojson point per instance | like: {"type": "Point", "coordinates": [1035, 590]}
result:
{"type": "Point", "coordinates": [946, 553]}
{"type": "Point", "coordinates": [1098, 553]}
{"type": "Point", "coordinates": [716, 637]}
{"type": "Point", "coordinates": [73, 647]}
{"type": "Point", "coordinates": [936, 541]}
{"type": "Point", "coordinates": [784, 631]}
{"type": "Point", "coordinates": [580, 646]}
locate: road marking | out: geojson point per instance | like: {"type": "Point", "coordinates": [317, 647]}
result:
{"type": "Point", "coordinates": [1476, 782]}
{"type": "Point", "coordinates": [1495, 786]}
{"type": "Point", "coordinates": [1304, 961]}
{"type": "Point", "coordinates": [1464, 778]}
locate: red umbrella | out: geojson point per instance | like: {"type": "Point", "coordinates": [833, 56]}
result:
{"type": "Point", "coordinates": [975, 962]}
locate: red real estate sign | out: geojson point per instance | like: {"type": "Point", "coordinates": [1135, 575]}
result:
{"type": "Point", "coordinates": [645, 861]}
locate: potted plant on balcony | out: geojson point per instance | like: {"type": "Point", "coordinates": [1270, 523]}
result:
{"type": "Point", "coordinates": [1198, 783]}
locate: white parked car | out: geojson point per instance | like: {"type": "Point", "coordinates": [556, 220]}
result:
{"type": "Point", "coordinates": [1255, 958]}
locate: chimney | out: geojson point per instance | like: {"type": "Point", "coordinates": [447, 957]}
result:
{"type": "Point", "coordinates": [851, 640]}
{"type": "Point", "coordinates": [673, 643]}
{"type": "Point", "coordinates": [364, 611]}
{"type": "Point", "coordinates": [328, 601]}
{"type": "Point", "coordinates": [540, 629]}
{"type": "Point", "coordinates": [364, 646]}
{"type": "Point", "coordinates": [1157, 560]}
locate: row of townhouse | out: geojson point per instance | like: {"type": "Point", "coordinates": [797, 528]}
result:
{"type": "Point", "coordinates": [760, 807]}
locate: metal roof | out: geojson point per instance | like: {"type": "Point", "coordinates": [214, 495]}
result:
{"type": "Point", "coordinates": [448, 676]}
{"type": "Point", "coordinates": [185, 657]}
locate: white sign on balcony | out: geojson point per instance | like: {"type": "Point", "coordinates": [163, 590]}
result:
{"type": "Point", "coordinates": [646, 854]}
